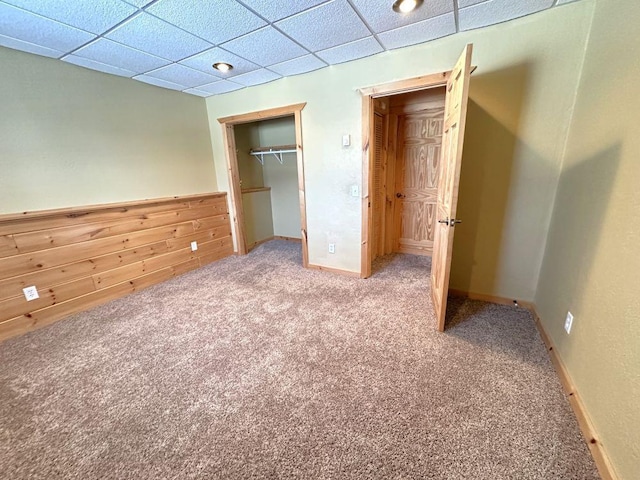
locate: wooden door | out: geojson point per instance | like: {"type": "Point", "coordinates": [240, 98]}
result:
{"type": "Point", "coordinates": [378, 193]}
{"type": "Point", "coordinates": [452, 142]}
{"type": "Point", "coordinates": [419, 141]}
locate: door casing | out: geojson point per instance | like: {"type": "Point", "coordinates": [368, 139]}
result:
{"type": "Point", "coordinates": [227, 124]}
{"type": "Point", "coordinates": [463, 68]}
{"type": "Point", "coordinates": [368, 94]}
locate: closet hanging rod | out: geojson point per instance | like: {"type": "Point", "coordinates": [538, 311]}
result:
{"type": "Point", "coordinates": [277, 152]}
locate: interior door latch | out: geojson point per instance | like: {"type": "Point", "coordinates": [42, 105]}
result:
{"type": "Point", "coordinates": [451, 222]}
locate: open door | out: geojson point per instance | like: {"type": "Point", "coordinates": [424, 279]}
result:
{"type": "Point", "coordinates": [452, 142]}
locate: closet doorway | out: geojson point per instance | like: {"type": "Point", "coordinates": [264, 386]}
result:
{"type": "Point", "coordinates": [266, 176]}
{"type": "Point", "coordinates": [412, 139]}
{"type": "Point", "coordinates": [407, 146]}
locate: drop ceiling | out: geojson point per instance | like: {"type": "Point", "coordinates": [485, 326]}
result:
{"type": "Point", "coordinates": [173, 43]}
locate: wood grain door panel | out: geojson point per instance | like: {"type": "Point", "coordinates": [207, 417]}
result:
{"type": "Point", "coordinates": [419, 141]}
{"type": "Point", "coordinates": [452, 141]}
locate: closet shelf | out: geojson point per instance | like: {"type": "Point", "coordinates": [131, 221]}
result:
{"type": "Point", "coordinates": [277, 152]}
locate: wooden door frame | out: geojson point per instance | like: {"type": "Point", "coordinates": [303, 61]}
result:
{"type": "Point", "coordinates": [368, 94]}
{"type": "Point", "coordinates": [228, 136]}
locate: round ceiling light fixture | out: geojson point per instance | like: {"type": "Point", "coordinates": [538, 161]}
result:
{"type": "Point", "coordinates": [222, 67]}
{"type": "Point", "coordinates": [406, 6]}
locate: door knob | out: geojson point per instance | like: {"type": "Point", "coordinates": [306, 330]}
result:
{"type": "Point", "coordinates": [451, 222]}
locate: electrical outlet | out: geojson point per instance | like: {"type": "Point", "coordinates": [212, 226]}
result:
{"type": "Point", "coordinates": [30, 293]}
{"type": "Point", "coordinates": [194, 246]}
{"type": "Point", "coordinates": [332, 248]}
{"type": "Point", "coordinates": [568, 323]}
{"type": "Point", "coordinates": [355, 191]}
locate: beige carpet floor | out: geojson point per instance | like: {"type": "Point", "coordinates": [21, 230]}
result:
{"type": "Point", "coordinates": [254, 368]}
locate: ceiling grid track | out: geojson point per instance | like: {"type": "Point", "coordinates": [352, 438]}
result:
{"type": "Point", "coordinates": [174, 43]}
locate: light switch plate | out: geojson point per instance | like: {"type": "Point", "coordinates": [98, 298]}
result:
{"type": "Point", "coordinates": [30, 293]}
{"type": "Point", "coordinates": [355, 191]}
{"type": "Point", "coordinates": [346, 140]}
{"type": "Point", "coordinates": [568, 323]}
{"type": "Point", "coordinates": [194, 246]}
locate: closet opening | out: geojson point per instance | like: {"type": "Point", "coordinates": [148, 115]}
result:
{"type": "Point", "coordinates": [266, 177]}
{"type": "Point", "coordinates": [407, 145]}
{"type": "Point", "coordinates": [412, 142]}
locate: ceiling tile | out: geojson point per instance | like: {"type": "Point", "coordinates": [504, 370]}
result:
{"type": "Point", "coordinates": [273, 11]}
{"type": "Point", "coordinates": [195, 91]}
{"type": "Point", "coordinates": [152, 35]}
{"type": "Point", "coordinates": [265, 47]}
{"type": "Point", "coordinates": [182, 75]}
{"type": "Point", "coordinates": [204, 61]}
{"type": "Point", "coordinates": [223, 86]}
{"type": "Point", "coordinates": [468, 3]}
{"type": "Point", "coordinates": [256, 77]}
{"type": "Point", "coordinates": [121, 56]}
{"type": "Point", "coordinates": [29, 27]}
{"type": "Point", "coordinates": [159, 83]}
{"type": "Point", "coordinates": [29, 47]}
{"type": "Point", "coordinates": [93, 65]}
{"type": "Point", "coordinates": [139, 3]}
{"type": "Point", "coordinates": [95, 16]}
{"type": "Point", "coordinates": [381, 17]}
{"type": "Point", "coordinates": [214, 20]}
{"type": "Point", "coordinates": [351, 51]}
{"type": "Point", "coordinates": [325, 26]}
{"type": "Point", "coordinates": [299, 65]}
{"type": "Point", "coordinates": [496, 11]}
{"type": "Point", "coordinates": [419, 32]}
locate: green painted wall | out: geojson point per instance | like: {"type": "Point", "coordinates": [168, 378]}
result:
{"type": "Point", "coordinates": [521, 99]}
{"type": "Point", "coordinates": [592, 258]}
{"type": "Point", "coordinates": [282, 178]}
{"type": "Point", "coordinates": [70, 136]}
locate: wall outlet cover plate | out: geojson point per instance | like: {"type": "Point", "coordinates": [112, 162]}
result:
{"type": "Point", "coordinates": [30, 293]}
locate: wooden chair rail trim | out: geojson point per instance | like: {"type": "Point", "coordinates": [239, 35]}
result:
{"type": "Point", "coordinates": [81, 210]}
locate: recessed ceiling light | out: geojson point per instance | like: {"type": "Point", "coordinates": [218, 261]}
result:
{"type": "Point", "coordinates": [406, 6]}
{"type": "Point", "coordinates": [222, 67]}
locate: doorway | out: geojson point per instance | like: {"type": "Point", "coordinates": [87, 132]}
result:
{"type": "Point", "coordinates": [407, 148]}
{"type": "Point", "coordinates": [413, 214]}
{"type": "Point", "coordinates": [256, 144]}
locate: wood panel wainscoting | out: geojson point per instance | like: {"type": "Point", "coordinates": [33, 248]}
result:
{"type": "Point", "coordinates": [80, 257]}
